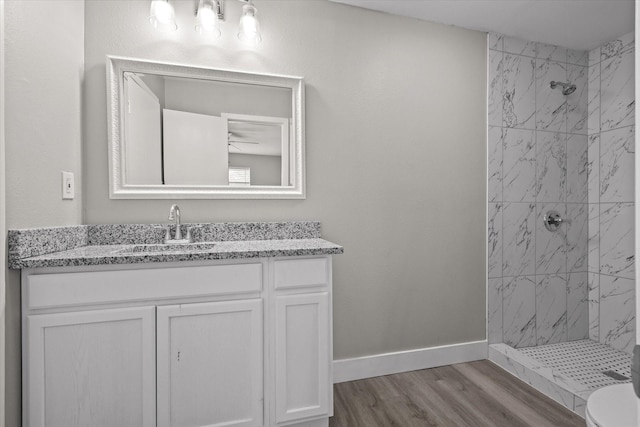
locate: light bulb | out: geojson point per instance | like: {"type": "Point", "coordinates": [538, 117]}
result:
{"type": "Point", "coordinates": [249, 26]}
{"type": "Point", "coordinates": [162, 15]}
{"type": "Point", "coordinates": [207, 19]}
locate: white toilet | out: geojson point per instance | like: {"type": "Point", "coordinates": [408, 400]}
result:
{"type": "Point", "coordinates": [613, 406]}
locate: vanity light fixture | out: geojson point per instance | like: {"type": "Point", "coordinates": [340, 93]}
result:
{"type": "Point", "coordinates": [208, 13]}
{"type": "Point", "coordinates": [162, 15]}
{"type": "Point", "coordinates": [207, 18]}
{"type": "Point", "coordinates": [249, 30]}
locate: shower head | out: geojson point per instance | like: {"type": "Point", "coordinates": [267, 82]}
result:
{"type": "Point", "coordinates": [567, 88]}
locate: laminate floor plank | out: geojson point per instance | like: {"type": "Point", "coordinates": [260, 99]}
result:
{"type": "Point", "coordinates": [474, 394]}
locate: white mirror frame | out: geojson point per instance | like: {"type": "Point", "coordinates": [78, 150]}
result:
{"type": "Point", "coordinates": [119, 189]}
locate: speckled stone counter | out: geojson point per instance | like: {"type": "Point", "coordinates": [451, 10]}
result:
{"type": "Point", "coordinates": [112, 244]}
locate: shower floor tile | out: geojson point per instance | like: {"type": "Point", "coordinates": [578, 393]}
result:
{"type": "Point", "coordinates": [583, 361]}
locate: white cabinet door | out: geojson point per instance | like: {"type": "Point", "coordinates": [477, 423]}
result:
{"type": "Point", "coordinates": [91, 368]}
{"type": "Point", "coordinates": [302, 356]}
{"type": "Point", "coordinates": [210, 365]}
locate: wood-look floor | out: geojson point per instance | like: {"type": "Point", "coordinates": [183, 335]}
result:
{"type": "Point", "coordinates": [471, 394]}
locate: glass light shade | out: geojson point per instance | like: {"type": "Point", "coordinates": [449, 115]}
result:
{"type": "Point", "coordinates": [162, 15]}
{"type": "Point", "coordinates": [207, 19]}
{"type": "Point", "coordinates": [249, 26]}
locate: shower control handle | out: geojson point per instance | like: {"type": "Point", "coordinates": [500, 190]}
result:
{"type": "Point", "coordinates": [552, 220]}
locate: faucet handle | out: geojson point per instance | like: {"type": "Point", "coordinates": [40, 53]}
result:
{"type": "Point", "coordinates": [189, 238]}
{"type": "Point", "coordinates": [167, 234]}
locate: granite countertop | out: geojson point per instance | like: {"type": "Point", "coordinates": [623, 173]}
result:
{"type": "Point", "coordinates": [103, 244]}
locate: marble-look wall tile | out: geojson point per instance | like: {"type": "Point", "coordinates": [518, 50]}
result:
{"type": "Point", "coordinates": [519, 165]}
{"type": "Point", "coordinates": [617, 101]}
{"type": "Point", "coordinates": [494, 319]}
{"type": "Point", "coordinates": [551, 255]}
{"type": "Point", "coordinates": [577, 163]}
{"type": "Point", "coordinates": [593, 168]}
{"type": "Point", "coordinates": [577, 102]}
{"type": "Point", "coordinates": [593, 244]}
{"type": "Point", "coordinates": [518, 92]}
{"type": "Point", "coordinates": [551, 309]}
{"type": "Point", "coordinates": [594, 56]}
{"type": "Point", "coordinates": [617, 239]}
{"type": "Point", "coordinates": [495, 144]}
{"type": "Point", "coordinates": [617, 312]}
{"type": "Point", "coordinates": [551, 52]}
{"type": "Point", "coordinates": [494, 247]}
{"type": "Point", "coordinates": [494, 41]}
{"type": "Point", "coordinates": [594, 306]}
{"type": "Point", "coordinates": [495, 88]}
{"type": "Point", "coordinates": [618, 46]}
{"type": "Point", "coordinates": [593, 101]}
{"type": "Point", "coordinates": [577, 306]}
{"type": "Point", "coordinates": [519, 315]}
{"type": "Point", "coordinates": [578, 57]}
{"type": "Point", "coordinates": [617, 160]}
{"type": "Point", "coordinates": [577, 222]}
{"type": "Point", "coordinates": [551, 166]}
{"type": "Point", "coordinates": [519, 255]}
{"type": "Point", "coordinates": [551, 104]}
{"type": "Point", "coordinates": [519, 46]}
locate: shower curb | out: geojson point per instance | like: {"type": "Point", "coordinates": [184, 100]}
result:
{"type": "Point", "coordinates": [548, 381]}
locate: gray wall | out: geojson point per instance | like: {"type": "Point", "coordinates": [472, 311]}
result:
{"type": "Point", "coordinates": [214, 98]}
{"type": "Point", "coordinates": [3, 230]}
{"type": "Point", "coordinates": [265, 170]}
{"type": "Point", "coordinates": [44, 69]}
{"type": "Point", "coordinates": [44, 62]}
{"type": "Point", "coordinates": [396, 149]}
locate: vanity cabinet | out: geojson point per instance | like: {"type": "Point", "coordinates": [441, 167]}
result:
{"type": "Point", "coordinates": [302, 356]}
{"type": "Point", "coordinates": [208, 343]}
{"type": "Point", "coordinates": [303, 338]}
{"type": "Point", "coordinates": [91, 365]}
{"type": "Point", "coordinates": [210, 364]}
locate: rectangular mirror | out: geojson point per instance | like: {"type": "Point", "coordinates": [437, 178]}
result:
{"type": "Point", "coordinates": [185, 132]}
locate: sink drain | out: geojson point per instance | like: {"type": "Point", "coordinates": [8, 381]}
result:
{"type": "Point", "coordinates": [616, 376]}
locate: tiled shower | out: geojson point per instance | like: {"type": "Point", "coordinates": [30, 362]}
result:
{"type": "Point", "coordinates": [573, 154]}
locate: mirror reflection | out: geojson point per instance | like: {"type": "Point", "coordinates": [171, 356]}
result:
{"type": "Point", "coordinates": [197, 132]}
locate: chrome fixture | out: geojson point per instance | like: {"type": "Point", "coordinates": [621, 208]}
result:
{"type": "Point", "coordinates": [174, 215]}
{"type": "Point", "coordinates": [162, 15]}
{"type": "Point", "coordinates": [249, 26]}
{"type": "Point", "coordinates": [567, 88]}
{"type": "Point", "coordinates": [208, 14]}
{"type": "Point", "coordinates": [552, 220]}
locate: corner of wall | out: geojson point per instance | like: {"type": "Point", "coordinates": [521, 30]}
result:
{"type": "Point", "coordinates": [3, 231]}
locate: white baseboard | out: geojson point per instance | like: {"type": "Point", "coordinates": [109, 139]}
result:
{"type": "Point", "coordinates": [411, 360]}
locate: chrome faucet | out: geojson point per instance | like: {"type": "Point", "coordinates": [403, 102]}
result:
{"type": "Point", "coordinates": [174, 214]}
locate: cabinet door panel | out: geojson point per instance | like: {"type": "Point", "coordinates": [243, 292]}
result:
{"type": "Point", "coordinates": [210, 364]}
{"type": "Point", "coordinates": [302, 356]}
{"type": "Point", "coordinates": [92, 368]}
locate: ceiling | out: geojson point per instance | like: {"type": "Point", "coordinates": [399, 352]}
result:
{"type": "Point", "coordinates": [262, 139]}
{"type": "Point", "coordinates": [576, 24]}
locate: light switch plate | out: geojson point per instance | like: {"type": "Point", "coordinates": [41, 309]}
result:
{"type": "Point", "coordinates": [68, 185]}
